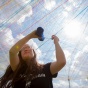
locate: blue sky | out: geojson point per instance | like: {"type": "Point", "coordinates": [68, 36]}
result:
{"type": "Point", "coordinates": [68, 19]}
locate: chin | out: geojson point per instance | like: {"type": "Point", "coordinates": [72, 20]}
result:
{"type": "Point", "coordinates": [27, 58]}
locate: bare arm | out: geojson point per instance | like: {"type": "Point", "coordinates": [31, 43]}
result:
{"type": "Point", "coordinates": [60, 57]}
{"type": "Point", "coordinates": [14, 59]}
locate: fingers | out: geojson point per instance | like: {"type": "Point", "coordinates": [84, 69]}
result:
{"type": "Point", "coordinates": [55, 38]}
{"type": "Point", "coordinates": [52, 36]}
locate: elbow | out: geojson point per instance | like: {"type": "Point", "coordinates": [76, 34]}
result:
{"type": "Point", "coordinates": [13, 51]}
{"type": "Point", "coordinates": [10, 51]}
{"type": "Point", "coordinates": [62, 62]}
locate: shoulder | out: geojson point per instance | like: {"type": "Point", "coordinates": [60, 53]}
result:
{"type": "Point", "coordinates": [46, 68]}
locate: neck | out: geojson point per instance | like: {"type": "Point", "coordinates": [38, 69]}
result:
{"type": "Point", "coordinates": [28, 62]}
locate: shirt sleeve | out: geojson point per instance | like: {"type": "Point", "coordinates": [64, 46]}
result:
{"type": "Point", "coordinates": [48, 72]}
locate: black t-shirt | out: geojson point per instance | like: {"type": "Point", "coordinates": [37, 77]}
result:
{"type": "Point", "coordinates": [42, 80]}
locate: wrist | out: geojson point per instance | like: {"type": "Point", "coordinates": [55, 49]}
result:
{"type": "Point", "coordinates": [29, 36]}
{"type": "Point", "coordinates": [55, 42]}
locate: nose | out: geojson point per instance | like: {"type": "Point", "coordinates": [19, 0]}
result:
{"type": "Point", "coordinates": [27, 49]}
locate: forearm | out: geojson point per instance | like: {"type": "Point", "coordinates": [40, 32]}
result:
{"type": "Point", "coordinates": [16, 48]}
{"type": "Point", "coordinates": [60, 57]}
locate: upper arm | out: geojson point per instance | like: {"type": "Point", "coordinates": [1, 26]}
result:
{"type": "Point", "coordinates": [14, 60]}
{"type": "Point", "coordinates": [56, 66]}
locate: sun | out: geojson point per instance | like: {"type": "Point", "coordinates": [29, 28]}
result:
{"type": "Point", "coordinates": [73, 30]}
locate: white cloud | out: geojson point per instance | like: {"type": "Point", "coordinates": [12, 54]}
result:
{"type": "Point", "coordinates": [85, 49]}
{"type": "Point", "coordinates": [75, 3]}
{"type": "Point", "coordinates": [49, 4]}
{"type": "Point", "coordinates": [69, 8]}
{"type": "Point", "coordinates": [22, 2]}
{"type": "Point", "coordinates": [2, 66]}
{"type": "Point", "coordinates": [1, 22]}
{"type": "Point", "coordinates": [84, 74]}
{"type": "Point", "coordinates": [1, 73]}
{"type": "Point", "coordinates": [63, 82]}
{"type": "Point", "coordinates": [73, 30]}
{"type": "Point", "coordinates": [26, 12]}
{"type": "Point", "coordinates": [6, 36]}
{"type": "Point", "coordinates": [20, 16]}
{"type": "Point", "coordinates": [40, 61]}
{"type": "Point", "coordinates": [56, 85]}
{"type": "Point", "coordinates": [80, 63]}
{"type": "Point", "coordinates": [65, 14]}
{"type": "Point", "coordinates": [67, 54]}
{"type": "Point", "coordinates": [53, 58]}
{"type": "Point", "coordinates": [74, 84]}
{"type": "Point", "coordinates": [86, 38]}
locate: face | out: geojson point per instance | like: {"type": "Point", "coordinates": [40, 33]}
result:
{"type": "Point", "coordinates": [27, 52]}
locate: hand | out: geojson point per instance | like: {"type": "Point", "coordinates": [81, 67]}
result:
{"type": "Point", "coordinates": [55, 38]}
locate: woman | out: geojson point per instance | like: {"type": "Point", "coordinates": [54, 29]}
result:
{"type": "Point", "coordinates": [25, 72]}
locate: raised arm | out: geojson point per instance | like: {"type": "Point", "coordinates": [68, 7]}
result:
{"type": "Point", "coordinates": [60, 57]}
{"type": "Point", "coordinates": [14, 59]}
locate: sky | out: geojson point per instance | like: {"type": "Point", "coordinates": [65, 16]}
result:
{"type": "Point", "coordinates": [67, 19]}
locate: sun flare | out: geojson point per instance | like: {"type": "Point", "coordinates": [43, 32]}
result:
{"type": "Point", "coordinates": [73, 30]}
